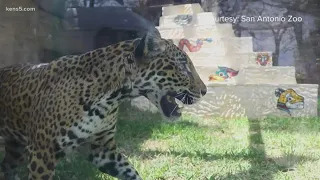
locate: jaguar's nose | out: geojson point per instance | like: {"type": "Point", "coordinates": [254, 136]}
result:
{"type": "Point", "coordinates": [203, 92]}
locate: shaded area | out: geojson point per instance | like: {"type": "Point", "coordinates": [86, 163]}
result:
{"type": "Point", "coordinates": [256, 145]}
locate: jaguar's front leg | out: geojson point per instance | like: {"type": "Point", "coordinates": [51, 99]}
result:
{"type": "Point", "coordinates": [104, 155]}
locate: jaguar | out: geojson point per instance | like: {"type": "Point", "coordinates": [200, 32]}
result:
{"type": "Point", "coordinates": [49, 110]}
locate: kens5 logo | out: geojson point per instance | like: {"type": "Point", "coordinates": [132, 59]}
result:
{"type": "Point", "coordinates": [17, 9]}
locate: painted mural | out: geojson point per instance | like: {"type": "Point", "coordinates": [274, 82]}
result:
{"type": "Point", "coordinates": [263, 59]}
{"type": "Point", "coordinates": [183, 19]}
{"type": "Point", "coordinates": [223, 74]}
{"type": "Point", "coordinates": [193, 46]}
{"type": "Point", "coordinates": [288, 100]}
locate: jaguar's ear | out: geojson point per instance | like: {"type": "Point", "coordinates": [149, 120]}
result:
{"type": "Point", "coordinates": [171, 41]}
{"type": "Point", "coordinates": [150, 45]}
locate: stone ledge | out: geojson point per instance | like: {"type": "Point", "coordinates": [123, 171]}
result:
{"type": "Point", "coordinates": [267, 75]}
{"type": "Point", "coordinates": [247, 75]}
{"type": "Point", "coordinates": [220, 74]}
{"type": "Point", "coordinates": [176, 21]}
{"type": "Point", "coordinates": [216, 46]}
{"type": "Point", "coordinates": [249, 101]}
{"type": "Point", "coordinates": [182, 9]}
{"type": "Point", "coordinates": [201, 45]}
{"type": "Point", "coordinates": [238, 44]}
{"type": "Point", "coordinates": [143, 104]}
{"type": "Point", "coordinates": [196, 32]}
{"type": "Point", "coordinates": [235, 61]}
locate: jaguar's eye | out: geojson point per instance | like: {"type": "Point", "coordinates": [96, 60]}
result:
{"type": "Point", "coordinates": [290, 98]}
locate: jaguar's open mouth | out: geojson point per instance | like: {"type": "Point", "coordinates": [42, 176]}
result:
{"type": "Point", "coordinates": [169, 105]}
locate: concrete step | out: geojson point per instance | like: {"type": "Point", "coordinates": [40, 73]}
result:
{"type": "Point", "coordinates": [257, 101]}
{"type": "Point", "coordinates": [250, 101]}
{"type": "Point", "coordinates": [182, 9]}
{"type": "Point", "coordinates": [217, 31]}
{"type": "Point", "coordinates": [238, 44]}
{"type": "Point", "coordinates": [267, 75]}
{"type": "Point", "coordinates": [235, 61]}
{"type": "Point", "coordinates": [247, 75]}
{"type": "Point", "coordinates": [175, 21]}
{"type": "Point", "coordinates": [201, 45]}
{"type": "Point", "coordinates": [217, 74]}
{"type": "Point", "coordinates": [221, 46]}
{"type": "Point", "coordinates": [225, 28]}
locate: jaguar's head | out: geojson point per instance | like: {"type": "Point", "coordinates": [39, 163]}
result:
{"type": "Point", "coordinates": [166, 74]}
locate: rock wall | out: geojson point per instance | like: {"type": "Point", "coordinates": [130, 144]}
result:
{"type": "Point", "coordinates": [18, 41]}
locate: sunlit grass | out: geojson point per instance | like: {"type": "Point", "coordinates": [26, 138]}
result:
{"type": "Point", "coordinates": [200, 149]}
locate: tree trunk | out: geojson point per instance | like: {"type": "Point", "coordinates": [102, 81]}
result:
{"type": "Point", "coordinates": [91, 3]}
{"type": "Point", "coordinates": [275, 55]}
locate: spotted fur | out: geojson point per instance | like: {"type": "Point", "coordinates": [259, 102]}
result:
{"type": "Point", "coordinates": [49, 110]}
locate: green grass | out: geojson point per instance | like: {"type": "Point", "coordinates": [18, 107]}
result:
{"type": "Point", "coordinates": [199, 149]}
